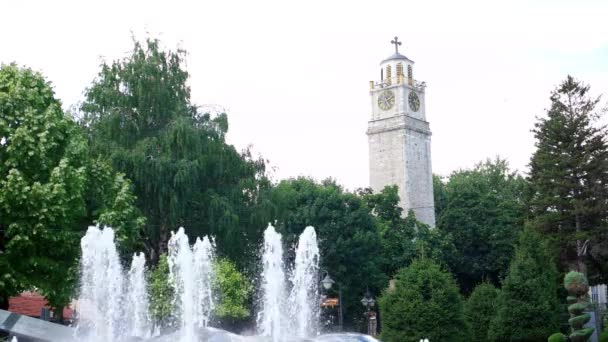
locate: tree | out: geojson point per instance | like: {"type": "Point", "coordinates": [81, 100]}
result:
{"type": "Point", "coordinates": [527, 306]}
{"type": "Point", "coordinates": [479, 310]}
{"type": "Point", "coordinates": [569, 180]}
{"type": "Point", "coordinates": [349, 241]}
{"type": "Point", "coordinates": [138, 116]}
{"type": "Point", "coordinates": [484, 214]}
{"type": "Point", "coordinates": [424, 303]}
{"type": "Point", "coordinates": [45, 183]}
{"type": "Point", "coordinates": [396, 233]}
{"type": "Point", "coordinates": [440, 195]}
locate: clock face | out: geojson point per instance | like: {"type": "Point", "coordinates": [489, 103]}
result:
{"type": "Point", "coordinates": [413, 101]}
{"type": "Point", "coordinates": [386, 100]}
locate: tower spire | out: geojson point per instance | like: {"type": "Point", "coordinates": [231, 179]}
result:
{"type": "Point", "coordinates": [397, 43]}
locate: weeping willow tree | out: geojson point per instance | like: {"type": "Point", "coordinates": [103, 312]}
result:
{"type": "Point", "coordinates": [139, 117]}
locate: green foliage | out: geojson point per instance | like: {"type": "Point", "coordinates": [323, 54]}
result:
{"type": "Point", "coordinates": [483, 214]}
{"type": "Point", "coordinates": [46, 181]}
{"type": "Point", "coordinates": [603, 336]}
{"type": "Point", "coordinates": [558, 337]}
{"type": "Point", "coordinates": [527, 306]}
{"type": "Point", "coordinates": [111, 203]}
{"type": "Point", "coordinates": [440, 195]}
{"type": "Point", "coordinates": [396, 234]}
{"type": "Point", "coordinates": [480, 309]}
{"type": "Point", "coordinates": [349, 240]}
{"type": "Point", "coordinates": [138, 116]}
{"type": "Point", "coordinates": [234, 290]}
{"type": "Point", "coordinates": [425, 303]}
{"type": "Point", "coordinates": [577, 286]}
{"type": "Point", "coordinates": [569, 180]}
{"type": "Point", "coordinates": [161, 293]}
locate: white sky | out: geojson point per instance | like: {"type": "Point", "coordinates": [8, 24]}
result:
{"type": "Point", "coordinates": [294, 76]}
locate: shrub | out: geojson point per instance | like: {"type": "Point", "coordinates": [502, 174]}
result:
{"type": "Point", "coordinates": [577, 285]}
{"type": "Point", "coordinates": [479, 310]}
{"type": "Point", "coordinates": [424, 303]}
{"type": "Point", "coordinates": [527, 304]}
{"type": "Point", "coordinates": [557, 337]}
{"type": "Point", "coordinates": [603, 336]}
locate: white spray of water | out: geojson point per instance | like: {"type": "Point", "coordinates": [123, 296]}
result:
{"type": "Point", "coordinates": [101, 287]}
{"type": "Point", "coordinates": [272, 287]}
{"type": "Point", "coordinates": [137, 299]}
{"type": "Point", "coordinates": [190, 275]}
{"type": "Point", "coordinates": [203, 278]}
{"type": "Point", "coordinates": [303, 299]}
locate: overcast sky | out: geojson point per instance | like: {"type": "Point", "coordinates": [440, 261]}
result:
{"type": "Point", "coordinates": [294, 76]}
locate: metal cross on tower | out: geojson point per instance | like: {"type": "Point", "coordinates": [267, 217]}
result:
{"type": "Point", "coordinates": [397, 43]}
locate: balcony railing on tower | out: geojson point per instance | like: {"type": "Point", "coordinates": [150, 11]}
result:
{"type": "Point", "coordinates": [396, 80]}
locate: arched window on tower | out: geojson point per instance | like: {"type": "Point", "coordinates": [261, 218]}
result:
{"type": "Point", "coordinates": [388, 75]}
{"type": "Point", "coordinates": [399, 73]}
{"type": "Point", "coordinates": [410, 76]}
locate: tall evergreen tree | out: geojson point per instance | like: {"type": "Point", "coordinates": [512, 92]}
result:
{"type": "Point", "coordinates": [569, 180]}
{"type": "Point", "coordinates": [527, 306]}
{"type": "Point", "coordinates": [139, 116]}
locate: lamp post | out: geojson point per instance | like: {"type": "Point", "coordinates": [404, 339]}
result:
{"type": "Point", "coordinates": [368, 301]}
{"type": "Point", "coordinates": [327, 283]}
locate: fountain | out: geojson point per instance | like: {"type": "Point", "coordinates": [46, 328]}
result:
{"type": "Point", "coordinates": [304, 297]}
{"type": "Point", "coordinates": [270, 318]}
{"type": "Point", "coordinates": [137, 299]}
{"type": "Point", "coordinates": [191, 273]}
{"type": "Point", "coordinates": [101, 287]}
{"type": "Point", "coordinates": [113, 305]}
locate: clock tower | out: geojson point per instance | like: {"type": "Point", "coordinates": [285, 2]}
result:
{"type": "Point", "coordinates": [400, 138]}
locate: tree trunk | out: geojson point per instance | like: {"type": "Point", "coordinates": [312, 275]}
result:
{"type": "Point", "coordinates": [4, 303]}
{"type": "Point", "coordinates": [581, 249]}
{"type": "Point", "coordinates": [59, 314]}
{"type": "Point", "coordinates": [163, 238]}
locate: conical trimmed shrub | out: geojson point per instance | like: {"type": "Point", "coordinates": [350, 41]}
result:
{"type": "Point", "coordinates": [527, 304]}
{"type": "Point", "coordinates": [424, 304]}
{"type": "Point", "coordinates": [577, 285]}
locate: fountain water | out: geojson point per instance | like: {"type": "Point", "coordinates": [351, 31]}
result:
{"type": "Point", "coordinates": [191, 273]}
{"type": "Point", "coordinates": [273, 286]}
{"type": "Point", "coordinates": [114, 306]}
{"type": "Point", "coordinates": [101, 287]}
{"type": "Point", "coordinates": [139, 324]}
{"type": "Point", "coordinates": [304, 297]}
{"type": "Point", "coordinates": [296, 314]}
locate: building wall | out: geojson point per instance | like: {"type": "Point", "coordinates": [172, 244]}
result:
{"type": "Point", "coordinates": [400, 153]}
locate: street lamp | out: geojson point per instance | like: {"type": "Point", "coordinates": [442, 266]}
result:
{"type": "Point", "coordinates": [369, 302]}
{"type": "Point", "coordinates": [327, 283]}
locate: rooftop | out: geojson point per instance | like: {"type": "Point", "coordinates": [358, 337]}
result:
{"type": "Point", "coordinates": [31, 304]}
{"type": "Point", "coordinates": [396, 56]}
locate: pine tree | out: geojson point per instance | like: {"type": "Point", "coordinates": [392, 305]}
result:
{"type": "Point", "coordinates": [569, 179]}
{"type": "Point", "coordinates": [527, 306]}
